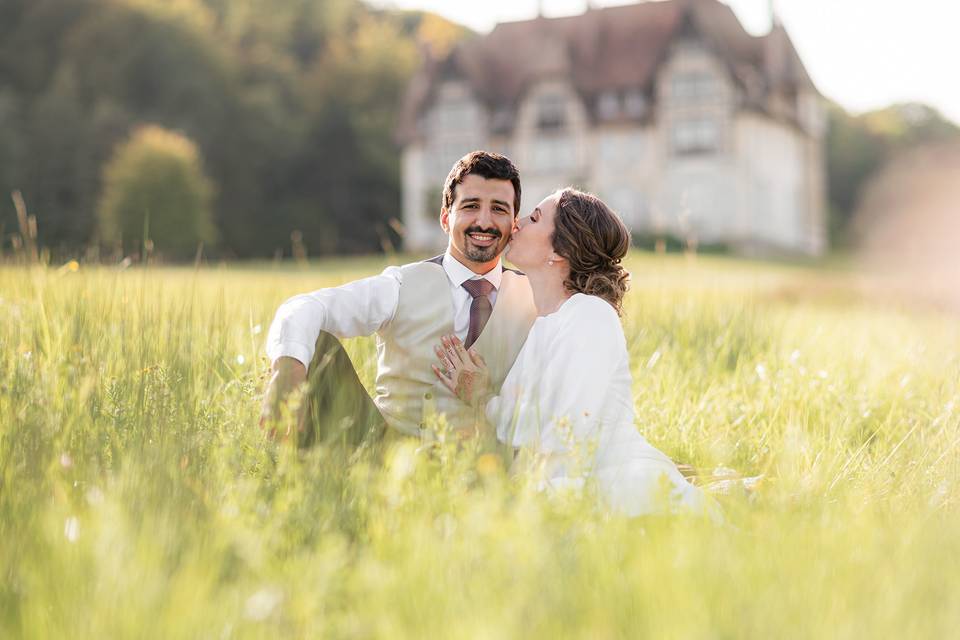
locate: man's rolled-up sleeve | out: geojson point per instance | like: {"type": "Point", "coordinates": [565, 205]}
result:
{"type": "Point", "coordinates": [359, 308]}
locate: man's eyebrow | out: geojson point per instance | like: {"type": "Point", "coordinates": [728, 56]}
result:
{"type": "Point", "coordinates": [503, 202]}
{"type": "Point", "coordinates": [472, 199]}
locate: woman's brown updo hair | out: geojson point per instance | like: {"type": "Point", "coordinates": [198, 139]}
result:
{"type": "Point", "coordinates": [594, 240]}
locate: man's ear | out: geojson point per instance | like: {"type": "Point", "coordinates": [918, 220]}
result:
{"type": "Point", "coordinates": [445, 220]}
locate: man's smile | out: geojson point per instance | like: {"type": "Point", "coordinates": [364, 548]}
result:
{"type": "Point", "coordinates": [482, 238]}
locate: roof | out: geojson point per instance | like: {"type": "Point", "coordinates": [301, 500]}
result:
{"type": "Point", "coordinates": [604, 49]}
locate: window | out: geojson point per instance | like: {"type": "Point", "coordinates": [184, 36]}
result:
{"type": "Point", "coordinates": [620, 149]}
{"type": "Point", "coordinates": [555, 153]}
{"type": "Point", "coordinates": [692, 86]}
{"type": "Point", "coordinates": [608, 105]}
{"type": "Point", "coordinates": [695, 136]}
{"type": "Point", "coordinates": [634, 104]}
{"type": "Point", "coordinates": [551, 112]}
{"type": "Point", "coordinates": [454, 115]}
{"type": "Point", "coordinates": [443, 152]}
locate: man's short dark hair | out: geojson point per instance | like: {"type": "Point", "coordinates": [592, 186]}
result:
{"type": "Point", "coordinates": [485, 164]}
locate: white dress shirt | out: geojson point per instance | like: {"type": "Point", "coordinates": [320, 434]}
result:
{"type": "Point", "coordinates": [362, 308]}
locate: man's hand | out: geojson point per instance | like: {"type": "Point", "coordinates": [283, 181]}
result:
{"type": "Point", "coordinates": [288, 374]}
{"type": "Point", "coordinates": [462, 371]}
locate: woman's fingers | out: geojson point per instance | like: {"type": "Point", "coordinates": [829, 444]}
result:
{"type": "Point", "coordinates": [441, 355]}
{"type": "Point", "coordinates": [453, 355]}
{"type": "Point", "coordinates": [460, 350]}
{"type": "Point", "coordinates": [447, 382]}
{"type": "Point", "coordinates": [476, 357]}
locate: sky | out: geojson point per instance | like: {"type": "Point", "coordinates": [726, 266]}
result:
{"type": "Point", "coordinates": [864, 54]}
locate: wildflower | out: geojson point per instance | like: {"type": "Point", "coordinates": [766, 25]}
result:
{"type": "Point", "coordinates": [261, 604]}
{"type": "Point", "coordinates": [488, 464]}
{"type": "Point", "coordinates": [70, 267]}
{"type": "Point", "coordinates": [71, 529]}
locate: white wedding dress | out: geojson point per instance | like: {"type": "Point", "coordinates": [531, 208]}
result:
{"type": "Point", "coordinates": [567, 403]}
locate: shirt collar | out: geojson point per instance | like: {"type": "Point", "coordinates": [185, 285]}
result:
{"type": "Point", "coordinates": [460, 273]}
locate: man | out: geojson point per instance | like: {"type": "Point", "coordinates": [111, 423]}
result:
{"type": "Point", "coordinates": [466, 291]}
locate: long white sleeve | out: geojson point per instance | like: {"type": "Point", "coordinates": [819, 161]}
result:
{"type": "Point", "coordinates": [560, 391]}
{"type": "Point", "coordinates": [358, 308]}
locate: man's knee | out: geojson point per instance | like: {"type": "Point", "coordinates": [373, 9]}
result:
{"type": "Point", "coordinates": [329, 354]}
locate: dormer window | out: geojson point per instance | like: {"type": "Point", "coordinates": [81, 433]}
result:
{"type": "Point", "coordinates": [692, 86]}
{"type": "Point", "coordinates": [454, 115]}
{"type": "Point", "coordinates": [502, 120]}
{"type": "Point", "coordinates": [608, 105]}
{"type": "Point", "coordinates": [551, 112]}
{"type": "Point", "coordinates": [634, 103]}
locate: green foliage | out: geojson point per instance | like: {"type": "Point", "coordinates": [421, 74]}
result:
{"type": "Point", "coordinates": [155, 189]}
{"type": "Point", "coordinates": [291, 103]}
{"type": "Point", "coordinates": [139, 499]}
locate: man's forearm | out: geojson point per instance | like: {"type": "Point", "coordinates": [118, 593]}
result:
{"type": "Point", "coordinates": [287, 375]}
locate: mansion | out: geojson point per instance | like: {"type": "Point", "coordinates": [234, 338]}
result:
{"type": "Point", "coordinates": [669, 110]}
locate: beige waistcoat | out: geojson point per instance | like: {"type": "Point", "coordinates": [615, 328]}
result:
{"type": "Point", "coordinates": [407, 390]}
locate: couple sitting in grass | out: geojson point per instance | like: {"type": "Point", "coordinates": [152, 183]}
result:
{"type": "Point", "coordinates": [537, 358]}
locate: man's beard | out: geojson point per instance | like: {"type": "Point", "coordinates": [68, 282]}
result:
{"type": "Point", "coordinates": [481, 254]}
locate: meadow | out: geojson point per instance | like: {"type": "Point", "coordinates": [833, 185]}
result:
{"type": "Point", "coordinates": [139, 499]}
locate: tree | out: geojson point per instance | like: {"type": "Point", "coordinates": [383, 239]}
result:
{"type": "Point", "coordinates": [154, 187]}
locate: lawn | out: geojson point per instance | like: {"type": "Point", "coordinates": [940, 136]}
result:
{"type": "Point", "coordinates": [138, 498]}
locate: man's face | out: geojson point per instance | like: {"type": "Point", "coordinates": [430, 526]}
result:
{"type": "Point", "coordinates": [479, 221]}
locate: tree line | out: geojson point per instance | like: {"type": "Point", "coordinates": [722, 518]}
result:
{"type": "Point", "coordinates": [265, 117]}
{"type": "Point", "coordinates": [291, 104]}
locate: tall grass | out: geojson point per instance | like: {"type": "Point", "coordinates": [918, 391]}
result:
{"type": "Point", "coordinates": [139, 499]}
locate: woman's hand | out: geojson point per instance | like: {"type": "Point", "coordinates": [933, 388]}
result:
{"type": "Point", "coordinates": [462, 371]}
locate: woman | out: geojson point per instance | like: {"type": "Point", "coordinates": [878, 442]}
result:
{"type": "Point", "coordinates": [567, 400]}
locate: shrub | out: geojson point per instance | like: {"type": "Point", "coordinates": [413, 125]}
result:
{"type": "Point", "coordinates": [154, 188]}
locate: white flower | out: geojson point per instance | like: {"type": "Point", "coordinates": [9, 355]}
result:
{"type": "Point", "coordinates": [71, 529]}
{"type": "Point", "coordinates": [261, 604]}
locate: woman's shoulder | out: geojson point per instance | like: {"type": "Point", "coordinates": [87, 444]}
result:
{"type": "Point", "coordinates": [594, 306]}
{"type": "Point", "coordinates": [591, 312]}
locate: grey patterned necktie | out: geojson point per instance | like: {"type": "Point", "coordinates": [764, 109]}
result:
{"type": "Point", "coordinates": [480, 308]}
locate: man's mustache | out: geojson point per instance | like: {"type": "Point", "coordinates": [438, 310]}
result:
{"type": "Point", "coordinates": [489, 232]}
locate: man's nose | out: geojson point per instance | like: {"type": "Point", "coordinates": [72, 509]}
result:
{"type": "Point", "coordinates": [485, 218]}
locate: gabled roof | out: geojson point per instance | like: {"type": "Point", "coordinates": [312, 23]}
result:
{"type": "Point", "coordinates": [605, 49]}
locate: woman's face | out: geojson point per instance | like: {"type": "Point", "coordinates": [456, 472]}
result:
{"type": "Point", "coordinates": [531, 245]}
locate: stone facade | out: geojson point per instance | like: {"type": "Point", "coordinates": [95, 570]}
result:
{"type": "Point", "coordinates": [671, 112]}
